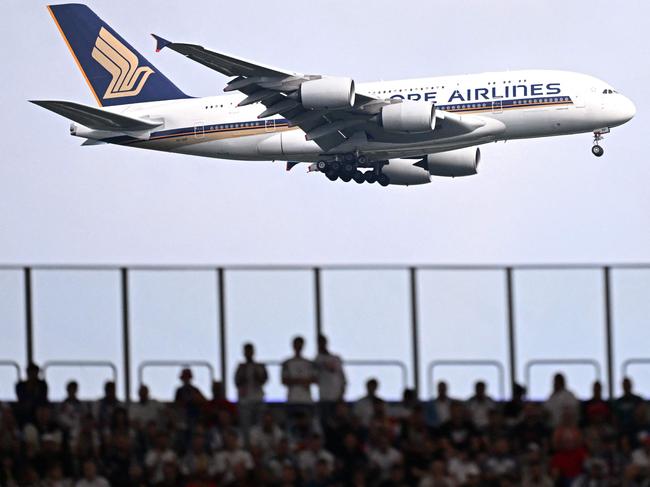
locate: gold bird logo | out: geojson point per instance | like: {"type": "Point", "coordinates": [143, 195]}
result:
{"type": "Point", "coordinates": [122, 64]}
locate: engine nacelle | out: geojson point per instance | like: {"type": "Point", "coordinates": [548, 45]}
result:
{"type": "Point", "coordinates": [328, 93]}
{"type": "Point", "coordinates": [454, 163]}
{"type": "Point", "coordinates": [404, 172]}
{"type": "Point", "coordinates": [408, 116]}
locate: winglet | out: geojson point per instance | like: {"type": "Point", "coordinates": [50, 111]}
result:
{"type": "Point", "coordinates": [160, 42]}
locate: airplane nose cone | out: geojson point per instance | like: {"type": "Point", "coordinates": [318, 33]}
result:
{"type": "Point", "coordinates": [627, 110]}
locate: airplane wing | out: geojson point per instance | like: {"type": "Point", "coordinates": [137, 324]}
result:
{"type": "Point", "coordinates": [273, 87]}
{"type": "Point", "coordinates": [277, 90]}
{"type": "Point", "coordinates": [96, 118]}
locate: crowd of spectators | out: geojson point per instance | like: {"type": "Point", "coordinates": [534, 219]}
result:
{"type": "Point", "coordinates": [198, 441]}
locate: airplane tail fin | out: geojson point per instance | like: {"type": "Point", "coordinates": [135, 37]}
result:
{"type": "Point", "coordinates": [116, 73]}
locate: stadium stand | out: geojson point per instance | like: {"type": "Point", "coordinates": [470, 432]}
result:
{"type": "Point", "coordinates": [196, 441]}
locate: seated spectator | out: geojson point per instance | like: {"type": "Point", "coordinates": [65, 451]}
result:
{"type": "Point", "coordinates": [458, 429]}
{"type": "Point", "coordinates": [641, 455]}
{"type": "Point", "coordinates": [596, 474]}
{"type": "Point", "coordinates": [500, 464]}
{"type": "Point", "coordinates": [535, 475]}
{"type": "Point", "coordinates": [625, 406]}
{"type": "Point", "coordinates": [281, 458]}
{"type": "Point", "coordinates": [90, 477]}
{"type": "Point", "coordinates": [10, 434]}
{"type": "Point", "coordinates": [570, 454]}
{"type": "Point", "coordinates": [226, 461]}
{"type": "Point", "coordinates": [322, 475]}
{"type": "Point", "coordinates": [197, 456]}
{"type": "Point", "coordinates": [480, 405]}
{"type": "Point", "coordinates": [382, 456]}
{"type": "Point", "coordinates": [106, 405]}
{"type": "Point", "coordinates": [298, 374]}
{"type": "Point", "coordinates": [43, 426]}
{"type": "Point", "coordinates": [596, 409]}
{"type": "Point", "coordinates": [267, 435]}
{"type": "Point", "coordinates": [352, 456]}
{"type": "Point", "coordinates": [462, 466]}
{"type": "Point", "coordinates": [364, 408]}
{"type": "Point", "coordinates": [311, 454]}
{"type": "Point", "coordinates": [437, 476]}
{"type": "Point", "coordinates": [438, 409]}
{"type": "Point", "coordinates": [157, 457]}
{"type": "Point", "coordinates": [145, 410]}
{"type": "Point", "coordinates": [329, 372]}
{"type": "Point", "coordinates": [55, 477]}
{"type": "Point", "coordinates": [561, 399]}
{"type": "Point", "coordinates": [85, 441]}
{"type": "Point", "coordinates": [405, 408]}
{"type": "Point", "coordinates": [118, 458]}
{"type": "Point", "coordinates": [71, 408]}
{"type": "Point", "coordinates": [201, 475]}
{"type": "Point", "coordinates": [219, 410]}
{"type": "Point", "coordinates": [188, 399]}
{"type": "Point", "coordinates": [30, 394]}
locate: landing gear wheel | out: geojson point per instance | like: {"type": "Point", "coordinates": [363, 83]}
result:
{"type": "Point", "coordinates": [348, 168]}
{"type": "Point", "coordinates": [358, 177]}
{"type": "Point", "coordinates": [383, 180]}
{"type": "Point", "coordinates": [346, 178]}
{"type": "Point", "coordinates": [321, 166]}
{"type": "Point", "coordinates": [332, 176]}
{"type": "Point", "coordinates": [336, 166]}
{"type": "Point", "coordinates": [597, 150]}
{"type": "Point", "coordinates": [370, 177]}
{"type": "Point", "coordinates": [362, 159]}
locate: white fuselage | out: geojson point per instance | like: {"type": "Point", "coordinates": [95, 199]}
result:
{"type": "Point", "coordinates": [513, 105]}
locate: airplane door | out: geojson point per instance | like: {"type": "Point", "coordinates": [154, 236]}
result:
{"type": "Point", "coordinates": [269, 125]}
{"type": "Point", "coordinates": [497, 106]}
{"type": "Point", "coordinates": [199, 130]}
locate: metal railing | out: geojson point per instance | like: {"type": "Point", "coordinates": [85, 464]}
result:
{"type": "Point", "coordinates": [14, 365]}
{"type": "Point", "coordinates": [81, 364]}
{"type": "Point", "coordinates": [632, 362]}
{"type": "Point", "coordinates": [548, 362]}
{"type": "Point", "coordinates": [174, 363]}
{"type": "Point", "coordinates": [467, 363]}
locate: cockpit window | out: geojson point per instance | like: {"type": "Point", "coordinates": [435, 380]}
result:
{"type": "Point", "coordinates": [609, 91]}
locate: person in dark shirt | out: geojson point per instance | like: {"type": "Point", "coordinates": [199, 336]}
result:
{"type": "Point", "coordinates": [458, 429]}
{"type": "Point", "coordinates": [188, 397]}
{"type": "Point", "coordinates": [30, 393]}
{"type": "Point", "coordinates": [625, 406]}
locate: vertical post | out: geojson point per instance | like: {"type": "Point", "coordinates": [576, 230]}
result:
{"type": "Point", "coordinates": [221, 282]}
{"type": "Point", "coordinates": [126, 337]}
{"type": "Point", "coordinates": [318, 313]}
{"type": "Point", "coordinates": [512, 352]}
{"type": "Point", "coordinates": [607, 295]}
{"type": "Point", "coordinates": [29, 317]}
{"type": "Point", "coordinates": [414, 330]}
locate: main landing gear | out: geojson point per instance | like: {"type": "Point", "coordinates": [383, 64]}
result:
{"type": "Point", "coordinates": [596, 149]}
{"type": "Point", "coordinates": [347, 169]}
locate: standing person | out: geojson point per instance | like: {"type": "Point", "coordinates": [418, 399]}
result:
{"type": "Point", "coordinates": [298, 375]}
{"type": "Point", "coordinates": [250, 379]}
{"type": "Point", "coordinates": [188, 398]}
{"type": "Point", "coordinates": [364, 408]}
{"type": "Point", "coordinates": [561, 401]}
{"type": "Point", "coordinates": [146, 409]}
{"type": "Point", "coordinates": [30, 393]}
{"type": "Point", "coordinates": [331, 377]}
{"type": "Point", "coordinates": [480, 405]}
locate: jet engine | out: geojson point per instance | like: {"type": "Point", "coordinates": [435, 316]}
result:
{"type": "Point", "coordinates": [405, 172]}
{"type": "Point", "coordinates": [408, 116]}
{"type": "Point", "coordinates": [327, 93]}
{"type": "Point", "coordinates": [453, 163]}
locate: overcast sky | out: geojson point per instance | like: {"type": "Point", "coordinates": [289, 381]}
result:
{"type": "Point", "coordinates": [538, 201]}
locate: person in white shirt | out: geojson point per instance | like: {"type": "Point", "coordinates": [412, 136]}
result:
{"type": "Point", "coordinates": [267, 435]}
{"type": "Point", "coordinates": [561, 401]}
{"type": "Point", "coordinates": [90, 477]}
{"type": "Point", "coordinates": [298, 375]}
{"type": "Point", "coordinates": [480, 405]}
{"type": "Point", "coordinates": [384, 457]}
{"type": "Point", "coordinates": [230, 458]}
{"type": "Point", "coordinates": [364, 408]}
{"type": "Point", "coordinates": [145, 410]}
{"type": "Point", "coordinates": [329, 369]}
{"type": "Point", "coordinates": [157, 456]}
{"type": "Point", "coordinates": [308, 458]}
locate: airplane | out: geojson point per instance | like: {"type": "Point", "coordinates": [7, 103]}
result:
{"type": "Point", "coordinates": [389, 132]}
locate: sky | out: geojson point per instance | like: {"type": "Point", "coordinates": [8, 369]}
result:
{"type": "Point", "coordinates": [537, 201]}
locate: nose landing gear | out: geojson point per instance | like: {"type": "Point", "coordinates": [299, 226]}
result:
{"type": "Point", "coordinates": [596, 149]}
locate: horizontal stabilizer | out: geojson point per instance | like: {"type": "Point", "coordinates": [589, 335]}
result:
{"type": "Point", "coordinates": [96, 118]}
